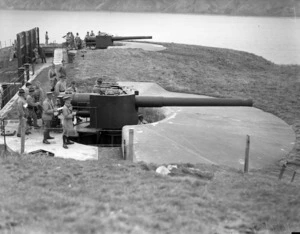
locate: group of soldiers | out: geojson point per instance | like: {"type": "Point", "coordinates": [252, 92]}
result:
{"type": "Point", "coordinates": [73, 42]}
{"type": "Point", "coordinates": [58, 80]}
{"type": "Point", "coordinates": [32, 105]}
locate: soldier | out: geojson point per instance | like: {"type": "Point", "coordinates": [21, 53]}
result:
{"type": "Point", "coordinates": [39, 92]}
{"type": "Point", "coordinates": [141, 119]}
{"type": "Point", "coordinates": [87, 35]}
{"type": "Point", "coordinates": [38, 97]}
{"type": "Point", "coordinates": [73, 87]}
{"type": "Point", "coordinates": [31, 107]}
{"type": "Point", "coordinates": [77, 42]}
{"type": "Point", "coordinates": [46, 38]}
{"type": "Point", "coordinates": [36, 55]}
{"type": "Point", "coordinates": [86, 39]}
{"type": "Point", "coordinates": [52, 76]}
{"type": "Point", "coordinates": [68, 127]}
{"type": "Point", "coordinates": [26, 89]}
{"type": "Point", "coordinates": [61, 85]}
{"type": "Point", "coordinates": [42, 54]}
{"type": "Point", "coordinates": [97, 87]}
{"type": "Point", "coordinates": [22, 112]}
{"type": "Point", "coordinates": [62, 70]}
{"type": "Point", "coordinates": [48, 114]}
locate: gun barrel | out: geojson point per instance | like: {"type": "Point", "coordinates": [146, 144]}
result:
{"type": "Point", "coordinates": [159, 101]}
{"type": "Point", "coordinates": [130, 38]}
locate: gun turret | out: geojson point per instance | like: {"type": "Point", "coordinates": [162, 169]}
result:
{"type": "Point", "coordinates": [114, 112]}
{"type": "Point", "coordinates": [102, 42]}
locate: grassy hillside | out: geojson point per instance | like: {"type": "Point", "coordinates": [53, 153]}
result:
{"type": "Point", "coordinates": [41, 194]}
{"type": "Point", "coordinates": [223, 7]}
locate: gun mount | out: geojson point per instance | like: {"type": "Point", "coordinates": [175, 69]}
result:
{"type": "Point", "coordinates": [102, 42]}
{"type": "Point", "coordinates": [109, 113]}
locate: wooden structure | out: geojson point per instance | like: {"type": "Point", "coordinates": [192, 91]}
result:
{"type": "Point", "coordinates": [26, 42]}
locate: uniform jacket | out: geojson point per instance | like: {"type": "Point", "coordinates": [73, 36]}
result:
{"type": "Point", "coordinates": [60, 87]}
{"type": "Point", "coordinates": [48, 109]}
{"type": "Point", "coordinates": [22, 111]}
{"type": "Point", "coordinates": [68, 127]}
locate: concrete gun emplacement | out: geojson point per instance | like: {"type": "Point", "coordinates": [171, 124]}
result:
{"type": "Point", "coordinates": [116, 111]}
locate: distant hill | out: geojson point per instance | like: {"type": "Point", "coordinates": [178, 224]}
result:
{"type": "Point", "coordinates": [221, 7]}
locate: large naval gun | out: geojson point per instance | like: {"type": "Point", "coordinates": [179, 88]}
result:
{"type": "Point", "coordinates": [102, 42]}
{"type": "Point", "coordinates": [117, 106]}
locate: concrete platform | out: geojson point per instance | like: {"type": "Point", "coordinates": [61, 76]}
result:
{"type": "Point", "coordinates": [33, 142]}
{"type": "Point", "coordinates": [215, 135]}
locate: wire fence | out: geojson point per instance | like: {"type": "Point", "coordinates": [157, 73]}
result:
{"type": "Point", "coordinates": [12, 87]}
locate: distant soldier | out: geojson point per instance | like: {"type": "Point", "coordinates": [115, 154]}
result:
{"type": "Point", "coordinates": [42, 54]}
{"type": "Point", "coordinates": [48, 114]}
{"type": "Point", "coordinates": [72, 41]}
{"type": "Point", "coordinates": [77, 42]}
{"type": "Point", "coordinates": [46, 38]}
{"type": "Point", "coordinates": [92, 34]}
{"type": "Point", "coordinates": [52, 76]}
{"type": "Point", "coordinates": [86, 39]}
{"type": "Point", "coordinates": [22, 113]}
{"type": "Point", "coordinates": [62, 70]}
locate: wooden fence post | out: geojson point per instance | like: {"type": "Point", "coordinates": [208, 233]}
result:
{"type": "Point", "coordinates": [293, 177]}
{"type": "Point", "coordinates": [281, 171]}
{"type": "Point", "coordinates": [22, 135]}
{"type": "Point", "coordinates": [125, 150]}
{"type": "Point", "coordinates": [130, 145]}
{"type": "Point", "coordinates": [27, 71]}
{"type": "Point", "coordinates": [246, 164]}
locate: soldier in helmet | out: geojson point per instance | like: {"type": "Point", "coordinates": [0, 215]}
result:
{"type": "Point", "coordinates": [22, 112]}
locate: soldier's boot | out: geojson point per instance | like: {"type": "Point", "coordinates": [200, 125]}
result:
{"type": "Point", "coordinates": [65, 142]}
